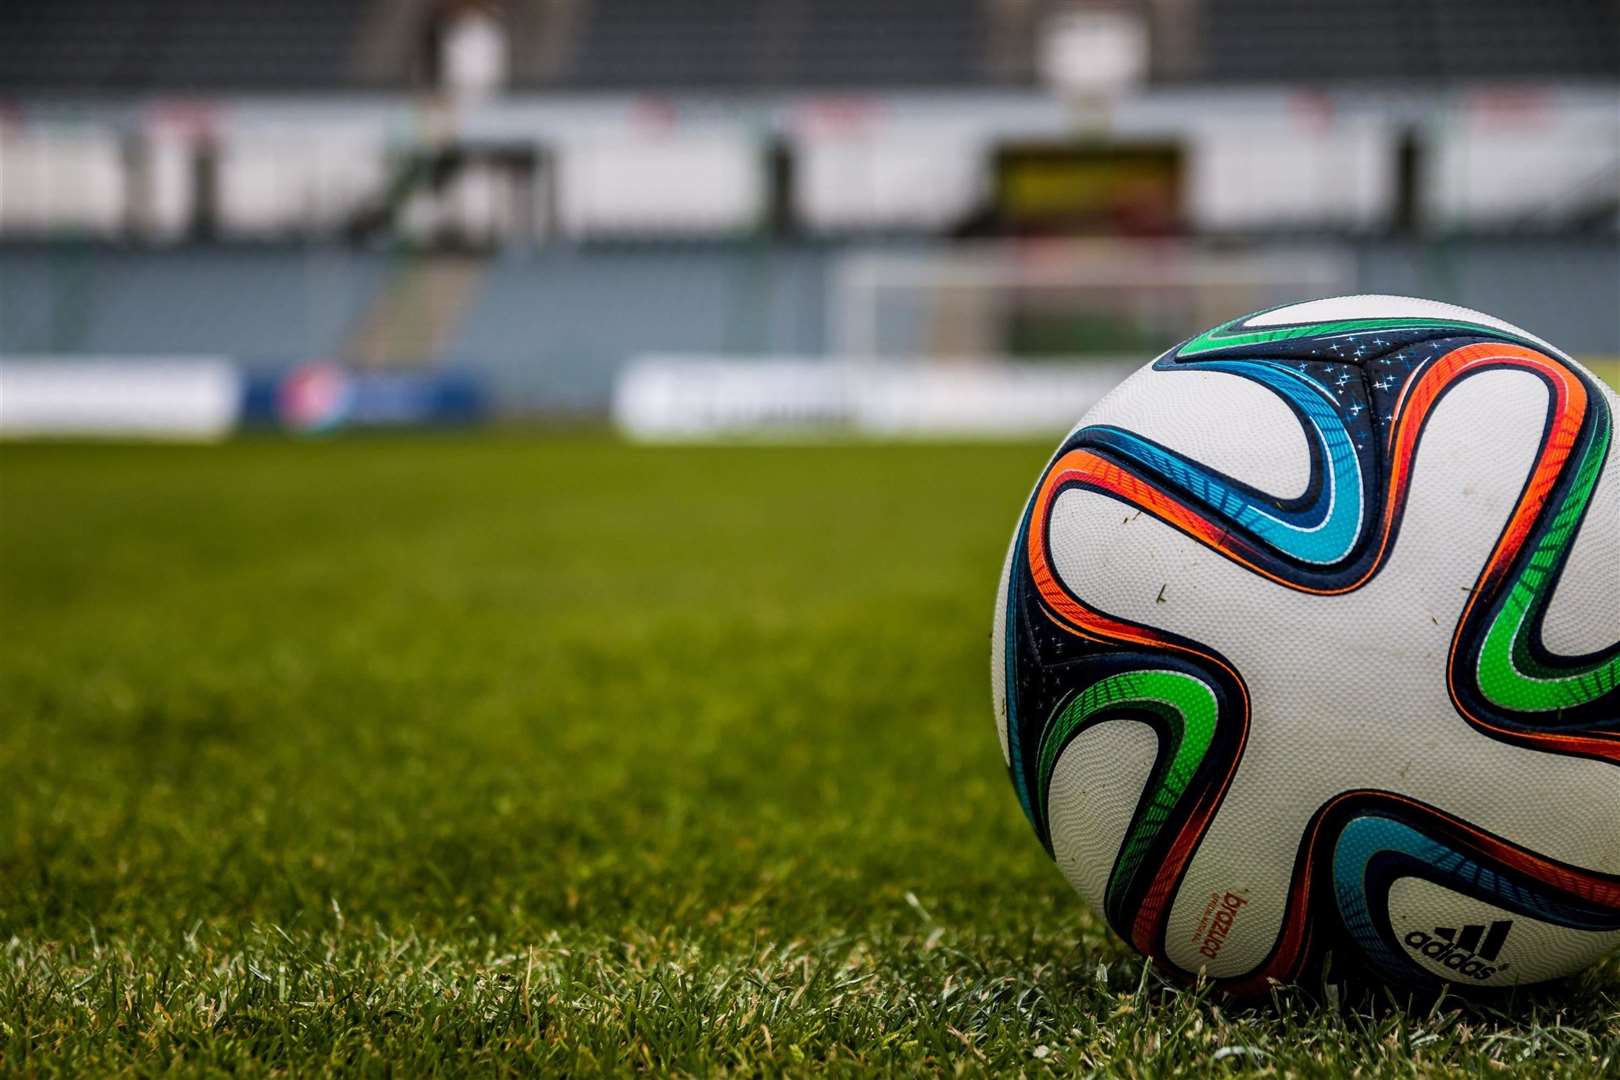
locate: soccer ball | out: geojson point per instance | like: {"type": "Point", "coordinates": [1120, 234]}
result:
{"type": "Point", "coordinates": [1307, 652]}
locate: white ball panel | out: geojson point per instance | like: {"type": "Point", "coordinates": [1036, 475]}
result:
{"type": "Point", "coordinates": [998, 653]}
{"type": "Point", "coordinates": [1336, 706]}
{"type": "Point", "coordinates": [1096, 785]}
{"type": "Point", "coordinates": [1531, 952]}
{"type": "Point", "coordinates": [1192, 412]}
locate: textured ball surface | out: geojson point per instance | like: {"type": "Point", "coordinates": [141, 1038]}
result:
{"type": "Point", "coordinates": [1307, 645]}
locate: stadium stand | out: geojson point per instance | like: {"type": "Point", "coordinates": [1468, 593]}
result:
{"type": "Point", "coordinates": [324, 45]}
{"type": "Point", "coordinates": [315, 45]}
{"type": "Point", "coordinates": [551, 331]}
{"type": "Point", "coordinates": [269, 181]}
{"type": "Point", "coordinates": [246, 302]}
{"type": "Point", "coordinates": [91, 46]}
{"type": "Point", "coordinates": [644, 43]}
{"type": "Point", "coordinates": [1408, 40]}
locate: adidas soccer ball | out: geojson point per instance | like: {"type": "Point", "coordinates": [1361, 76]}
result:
{"type": "Point", "coordinates": [1307, 648]}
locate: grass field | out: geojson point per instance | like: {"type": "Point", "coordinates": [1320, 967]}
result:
{"type": "Point", "coordinates": [505, 754]}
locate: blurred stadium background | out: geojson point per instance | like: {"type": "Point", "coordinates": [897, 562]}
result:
{"type": "Point", "coordinates": [896, 216]}
{"type": "Point", "coordinates": [528, 748]}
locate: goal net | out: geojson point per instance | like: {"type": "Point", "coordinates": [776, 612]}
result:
{"type": "Point", "coordinates": [1060, 300]}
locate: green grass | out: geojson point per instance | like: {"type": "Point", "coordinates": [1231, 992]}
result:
{"type": "Point", "coordinates": [1607, 369]}
{"type": "Point", "coordinates": [500, 755]}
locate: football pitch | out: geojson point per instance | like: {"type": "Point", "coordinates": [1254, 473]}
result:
{"type": "Point", "coordinates": [505, 754]}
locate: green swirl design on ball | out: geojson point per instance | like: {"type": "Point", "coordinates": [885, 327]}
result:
{"type": "Point", "coordinates": [1189, 711]}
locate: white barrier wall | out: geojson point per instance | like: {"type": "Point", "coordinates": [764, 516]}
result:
{"type": "Point", "coordinates": [1257, 156]}
{"type": "Point", "coordinates": [1291, 171]}
{"type": "Point", "coordinates": [661, 183]}
{"type": "Point", "coordinates": [918, 181]}
{"type": "Point", "coordinates": [184, 398]}
{"type": "Point", "coordinates": [280, 180]}
{"type": "Point", "coordinates": [171, 198]}
{"type": "Point", "coordinates": [660, 398]}
{"type": "Point", "coordinates": [69, 180]}
{"type": "Point", "coordinates": [1519, 158]}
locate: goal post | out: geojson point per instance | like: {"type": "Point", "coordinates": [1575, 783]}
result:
{"type": "Point", "coordinates": [1068, 299]}
{"type": "Point", "coordinates": [999, 340]}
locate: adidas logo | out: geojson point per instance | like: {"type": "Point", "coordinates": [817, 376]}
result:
{"type": "Point", "coordinates": [1469, 951]}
